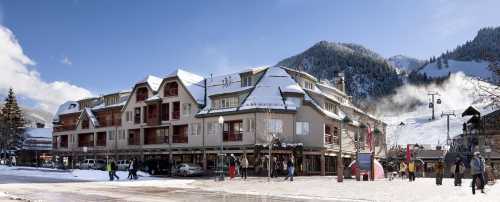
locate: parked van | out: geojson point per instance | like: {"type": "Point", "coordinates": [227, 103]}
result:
{"type": "Point", "coordinates": [93, 164]}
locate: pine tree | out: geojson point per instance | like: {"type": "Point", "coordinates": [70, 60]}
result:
{"type": "Point", "coordinates": [11, 124]}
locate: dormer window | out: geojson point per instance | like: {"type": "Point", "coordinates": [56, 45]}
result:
{"type": "Point", "coordinates": [142, 94]}
{"type": "Point", "coordinates": [331, 107]}
{"type": "Point", "coordinates": [171, 89]}
{"type": "Point", "coordinates": [227, 102]}
{"type": "Point", "coordinates": [308, 85]}
{"type": "Point", "coordinates": [246, 80]}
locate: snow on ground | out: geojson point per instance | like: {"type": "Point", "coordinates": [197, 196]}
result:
{"type": "Point", "coordinates": [470, 68]}
{"type": "Point", "coordinates": [76, 174]}
{"type": "Point", "coordinates": [327, 188]}
{"type": "Point", "coordinates": [457, 93]}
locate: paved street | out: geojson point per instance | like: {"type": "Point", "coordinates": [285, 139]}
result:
{"type": "Point", "coordinates": [60, 190]}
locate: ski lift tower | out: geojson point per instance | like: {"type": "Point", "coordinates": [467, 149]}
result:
{"type": "Point", "coordinates": [448, 114]}
{"type": "Point", "coordinates": [432, 101]}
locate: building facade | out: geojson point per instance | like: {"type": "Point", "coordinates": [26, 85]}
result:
{"type": "Point", "coordinates": [176, 118]}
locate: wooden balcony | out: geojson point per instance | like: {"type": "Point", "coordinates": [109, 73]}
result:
{"type": "Point", "coordinates": [64, 128]}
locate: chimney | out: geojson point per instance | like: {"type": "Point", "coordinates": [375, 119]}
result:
{"type": "Point", "coordinates": [339, 82]}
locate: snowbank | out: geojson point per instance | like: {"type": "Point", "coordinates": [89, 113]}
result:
{"type": "Point", "coordinates": [76, 174]}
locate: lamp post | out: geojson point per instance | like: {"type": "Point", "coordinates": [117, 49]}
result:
{"type": "Point", "coordinates": [358, 147]}
{"type": "Point", "coordinates": [221, 156]}
{"type": "Point", "coordinates": [377, 132]}
{"type": "Point", "coordinates": [340, 161]}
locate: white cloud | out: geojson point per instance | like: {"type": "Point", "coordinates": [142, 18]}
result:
{"type": "Point", "coordinates": [66, 61]}
{"type": "Point", "coordinates": [16, 71]}
{"type": "Point", "coordinates": [451, 17]}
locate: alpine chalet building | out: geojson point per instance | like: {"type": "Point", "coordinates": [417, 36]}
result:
{"type": "Point", "coordinates": [176, 118]}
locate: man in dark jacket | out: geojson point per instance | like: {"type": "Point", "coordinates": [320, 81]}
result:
{"type": "Point", "coordinates": [457, 170]}
{"type": "Point", "coordinates": [290, 167]}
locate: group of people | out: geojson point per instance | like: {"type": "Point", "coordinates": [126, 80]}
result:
{"type": "Point", "coordinates": [132, 170]}
{"type": "Point", "coordinates": [409, 168]}
{"type": "Point", "coordinates": [112, 168]}
{"type": "Point", "coordinates": [239, 166]}
{"type": "Point", "coordinates": [457, 169]}
{"type": "Point", "coordinates": [10, 161]}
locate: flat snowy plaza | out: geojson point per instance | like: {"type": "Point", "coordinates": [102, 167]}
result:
{"type": "Point", "coordinates": [29, 184]}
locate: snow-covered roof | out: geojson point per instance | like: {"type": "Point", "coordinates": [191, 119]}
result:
{"type": "Point", "coordinates": [268, 92]}
{"type": "Point", "coordinates": [38, 133]}
{"type": "Point", "coordinates": [193, 83]}
{"type": "Point", "coordinates": [153, 82]}
{"type": "Point", "coordinates": [302, 73]}
{"type": "Point", "coordinates": [223, 84]}
{"type": "Point", "coordinates": [154, 97]}
{"type": "Point", "coordinates": [91, 117]}
{"type": "Point", "coordinates": [66, 108]}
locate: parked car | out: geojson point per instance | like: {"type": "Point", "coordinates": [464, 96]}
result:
{"type": "Point", "coordinates": [93, 164]}
{"type": "Point", "coordinates": [156, 167]}
{"type": "Point", "coordinates": [122, 164]}
{"type": "Point", "coordinates": [189, 169]}
{"type": "Point", "coordinates": [48, 164]}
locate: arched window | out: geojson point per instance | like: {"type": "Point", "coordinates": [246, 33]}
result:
{"type": "Point", "coordinates": [142, 94]}
{"type": "Point", "coordinates": [171, 89]}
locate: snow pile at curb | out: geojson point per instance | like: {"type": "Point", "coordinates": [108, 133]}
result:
{"type": "Point", "coordinates": [76, 174]}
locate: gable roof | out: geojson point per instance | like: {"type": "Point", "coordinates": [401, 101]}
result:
{"type": "Point", "coordinates": [193, 83]}
{"type": "Point", "coordinates": [90, 115]}
{"type": "Point", "coordinates": [471, 111]}
{"type": "Point", "coordinates": [152, 81]}
{"type": "Point", "coordinates": [268, 93]}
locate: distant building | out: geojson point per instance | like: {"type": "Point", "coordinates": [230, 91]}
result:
{"type": "Point", "coordinates": [37, 146]}
{"type": "Point", "coordinates": [481, 134]}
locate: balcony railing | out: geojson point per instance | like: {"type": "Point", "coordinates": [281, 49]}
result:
{"type": "Point", "coordinates": [64, 128]}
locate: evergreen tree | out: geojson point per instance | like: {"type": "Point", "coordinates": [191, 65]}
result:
{"type": "Point", "coordinates": [11, 124]}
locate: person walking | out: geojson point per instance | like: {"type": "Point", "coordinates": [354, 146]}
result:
{"type": "Point", "coordinates": [238, 166]}
{"type": "Point", "coordinates": [110, 173]}
{"type": "Point", "coordinates": [232, 166]}
{"type": "Point", "coordinates": [244, 167]}
{"type": "Point", "coordinates": [477, 169]}
{"type": "Point", "coordinates": [290, 168]}
{"type": "Point", "coordinates": [274, 168]}
{"type": "Point", "coordinates": [411, 170]}
{"type": "Point", "coordinates": [113, 170]}
{"type": "Point", "coordinates": [131, 170]}
{"type": "Point", "coordinates": [457, 169]}
{"type": "Point", "coordinates": [134, 169]}
{"type": "Point", "coordinates": [13, 161]}
{"type": "Point", "coordinates": [402, 170]}
{"type": "Point", "coordinates": [439, 169]}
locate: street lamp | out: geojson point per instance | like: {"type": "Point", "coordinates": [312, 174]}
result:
{"type": "Point", "coordinates": [377, 132]}
{"type": "Point", "coordinates": [340, 162]}
{"type": "Point", "coordinates": [358, 147]}
{"type": "Point", "coordinates": [221, 156]}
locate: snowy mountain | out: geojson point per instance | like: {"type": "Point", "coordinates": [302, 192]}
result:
{"type": "Point", "coordinates": [479, 69]}
{"type": "Point", "coordinates": [404, 63]}
{"type": "Point", "coordinates": [478, 58]}
{"type": "Point", "coordinates": [367, 74]}
{"type": "Point", "coordinates": [34, 115]}
{"type": "Point", "coordinates": [408, 115]}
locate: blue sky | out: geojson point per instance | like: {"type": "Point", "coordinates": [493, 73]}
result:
{"type": "Point", "coordinates": [104, 46]}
